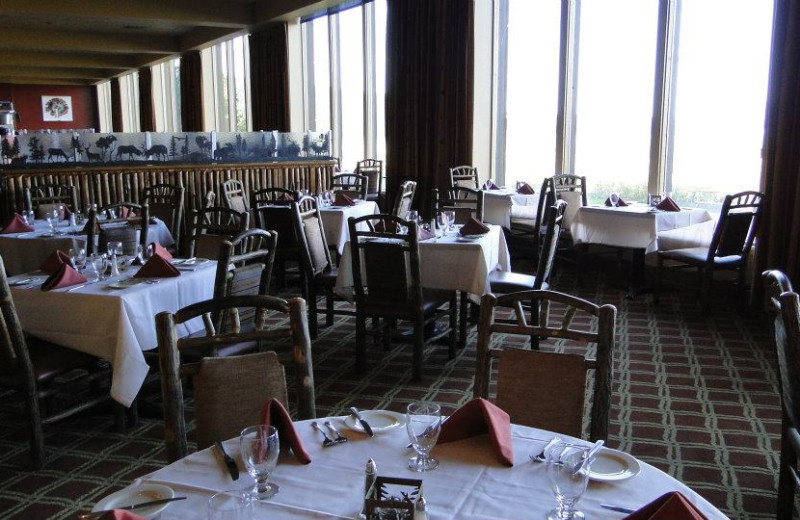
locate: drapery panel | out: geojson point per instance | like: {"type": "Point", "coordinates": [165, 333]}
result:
{"type": "Point", "coordinates": [429, 92]}
{"type": "Point", "coordinates": [269, 78]}
{"type": "Point", "coordinates": [147, 116]}
{"type": "Point", "coordinates": [191, 76]}
{"type": "Point", "coordinates": [116, 105]}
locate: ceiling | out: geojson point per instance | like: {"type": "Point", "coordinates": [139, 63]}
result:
{"type": "Point", "coordinates": [83, 42]}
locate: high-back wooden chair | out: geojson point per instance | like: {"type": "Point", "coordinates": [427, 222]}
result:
{"type": "Point", "coordinates": [118, 222]}
{"type": "Point", "coordinates": [532, 230]}
{"type": "Point", "coordinates": [210, 227]}
{"type": "Point", "coordinates": [277, 217]}
{"type": "Point", "coordinates": [352, 184]}
{"type": "Point", "coordinates": [572, 190]}
{"type": "Point", "coordinates": [404, 199]}
{"type": "Point", "coordinates": [246, 381]}
{"type": "Point", "coordinates": [44, 198]}
{"type": "Point", "coordinates": [166, 203]}
{"type": "Point", "coordinates": [547, 389]}
{"type": "Point", "coordinates": [234, 195]}
{"type": "Point", "coordinates": [465, 203]}
{"type": "Point", "coordinates": [272, 196]}
{"type": "Point", "coordinates": [464, 177]}
{"type": "Point", "coordinates": [373, 170]}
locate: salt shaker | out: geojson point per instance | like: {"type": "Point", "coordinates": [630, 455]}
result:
{"type": "Point", "coordinates": [370, 475]}
{"type": "Point", "coordinates": [420, 509]}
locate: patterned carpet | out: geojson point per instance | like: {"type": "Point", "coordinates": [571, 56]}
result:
{"type": "Point", "coordinates": [696, 397]}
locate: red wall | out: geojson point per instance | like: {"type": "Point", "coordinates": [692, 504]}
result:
{"type": "Point", "coordinates": [27, 101]}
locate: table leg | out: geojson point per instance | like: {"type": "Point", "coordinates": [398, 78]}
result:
{"type": "Point", "coordinates": [638, 281]}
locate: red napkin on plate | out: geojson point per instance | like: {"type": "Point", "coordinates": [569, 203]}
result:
{"type": "Point", "coordinates": [157, 267]}
{"type": "Point", "coordinates": [16, 225]}
{"type": "Point", "coordinates": [489, 185]}
{"type": "Point", "coordinates": [667, 204]}
{"type": "Point", "coordinates": [386, 226]}
{"type": "Point", "coordinates": [53, 262]}
{"type": "Point", "coordinates": [274, 414]}
{"type": "Point", "coordinates": [64, 277]}
{"type": "Point", "coordinates": [158, 249]}
{"type": "Point", "coordinates": [343, 199]}
{"type": "Point", "coordinates": [525, 189]}
{"type": "Point", "coordinates": [620, 203]}
{"type": "Point", "coordinates": [669, 506]}
{"type": "Point", "coordinates": [474, 227]}
{"type": "Point", "coordinates": [120, 514]}
{"type": "Point", "coordinates": [478, 417]}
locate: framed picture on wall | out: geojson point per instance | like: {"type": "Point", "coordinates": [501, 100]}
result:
{"type": "Point", "coordinates": [57, 108]}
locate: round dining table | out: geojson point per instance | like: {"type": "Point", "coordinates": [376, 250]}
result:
{"type": "Point", "coordinates": [470, 481]}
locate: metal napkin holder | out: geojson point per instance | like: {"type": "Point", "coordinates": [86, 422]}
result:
{"type": "Point", "coordinates": [391, 497]}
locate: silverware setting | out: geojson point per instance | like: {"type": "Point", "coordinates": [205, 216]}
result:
{"type": "Point", "coordinates": [364, 424]}
{"type": "Point", "coordinates": [540, 457]}
{"type": "Point", "coordinates": [81, 286]}
{"type": "Point", "coordinates": [339, 437]}
{"type": "Point", "coordinates": [618, 509]}
{"type": "Point", "coordinates": [328, 441]}
{"type": "Point", "coordinates": [132, 507]}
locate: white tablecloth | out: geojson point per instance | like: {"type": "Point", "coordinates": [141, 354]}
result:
{"type": "Point", "coordinates": [116, 325]}
{"type": "Point", "coordinates": [500, 205]}
{"type": "Point", "coordinates": [468, 484]}
{"type": "Point", "coordinates": [634, 226]}
{"type": "Point", "coordinates": [446, 263]}
{"type": "Point", "coordinates": [334, 220]}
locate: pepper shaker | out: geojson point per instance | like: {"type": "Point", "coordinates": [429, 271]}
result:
{"type": "Point", "coordinates": [370, 475]}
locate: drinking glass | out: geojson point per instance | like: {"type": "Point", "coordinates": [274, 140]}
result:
{"type": "Point", "coordinates": [98, 262]}
{"type": "Point", "coordinates": [449, 218]}
{"type": "Point", "coordinates": [230, 505]}
{"type": "Point", "coordinates": [78, 257]}
{"type": "Point", "coordinates": [413, 216]}
{"type": "Point", "coordinates": [260, 450]}
{"type": "Point", "coordinates": [614, 199]}
{"type": "Point", "coordinates": [568, 471]}
{"type": "Point", "coordinates": [52, 220]}
{"type": "Point", "coordinates": [423, 424]}
{"type": "Point", "coordinates": [114, 248]}
{"type": "Point", "coordinates": [29, 216]}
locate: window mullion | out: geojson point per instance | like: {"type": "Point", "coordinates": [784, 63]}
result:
{"type": "Point", "coordinates": [336, 84]}
{"type": "Point", "coordinates": [309, 80]}
{"type": "Point", "coordinates": [567, 86]}
{"type": "Point", "coordinates": [370, 87]}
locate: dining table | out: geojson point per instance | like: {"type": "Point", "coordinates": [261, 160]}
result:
{"type": "Point", "coordinates": [113, 319]}
{"type": "Point", "coordinates": [334, 221]}
{"type": "Point", "coordinates": [501, 205]}
{"type": "Point", "coordinates": [470, 481]}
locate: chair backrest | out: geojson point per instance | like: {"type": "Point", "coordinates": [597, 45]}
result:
{"type": "Point", "coordinates": [247, 381]}
{"type": "Point", "coordinates": [44, 197]}
{"type": "Point", "coordinates": [547, 389]}
{"type": "Point", "coordinates": [166, 203]}
{"type": "Point", "coordinates": [737, 225]}
{"type": "Point", "coordinates": [245, 264]}
{"type": "Point", "coordinates": [784, 304]}
{"type": "Point", "coordinates": [373, 169]}
{"type": "Point", "coordinates": [120, 223]}
{"type": "Point", "coordinates": [278, 217]}
{"type": "Point", "coordinates": [315, 257]}
{"type": "Point", "coordinates": [464, 177]}
{"type": "Point", "coordinates": [463, 202]}
{"type": "Point", "coordinates": [554, 223]}
{"type": "Point", "coordinates": [352, 184]}
{"type": "Point", "coordinates": [572, 189]}
{"type": "Point", "coordinates": [272, 196]}
{"type": "Point", "coordinates": [210, 227]}
{"type": "Point", "coordinates": [234, 195]}
{"type": "Point", "coordinates": [404, 199]}
{"type": "Point", "coordinates": [14, 351]}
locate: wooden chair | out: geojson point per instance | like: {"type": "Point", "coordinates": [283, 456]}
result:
{"type": "Point", "coordinates": [43, 198]}
{"type": "Point", "coordinates": [210, 227]}
{"type": "Point", "coordinates": [166, 203]}
{"type": "Point", "coordinates": [404, 199]}
{"type": "Point", "coordinates": [115, 227]}
{"type": "Point", "coordinates": [373, 170]}
{"type": "Point", "coordinates": [463, 202]}
{"type": "Point", "coordinates": [572, 190]}
{"type": "Point", "coordinates": [244, 381]}
{"type": "Point", "coordinates": [729, 249]}
{"type": "Point", "coordinates": [278, 217]}
{"type": "Point", "coordinates": [32, 370]}
{"type": "Point", "coordinates": [526, 235]}
{"type": "Point", "coordinates": [386, 276]}
{"type": "Point", "coordinates": [785, 307]}
{"type": "Point", "coordinates": [272, 196]}
{"type": "Point", "coordinates": [547, 389]}
{"type": "Point", "coordinates": [464, 177]}
{"type": "Point", "coordinates": [352, 184]}
{"type": "Point", "coordinates": [235, 196]}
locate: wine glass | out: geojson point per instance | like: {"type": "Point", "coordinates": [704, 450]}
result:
{"type": "Point", "coordinates": [78, 257]}
{"type": "Point", "coordinates": [423, 424]}
{"type": "Point", "coordinates": [413, 216]}
{"type": "Point", "coordinates": [52, 220]}
{"type": "Point", "coordinates": [230, 505]}
{"type": "Point", "coordinates": [260, 450]}
{"type": "Point", "coordinates": [114, 248]}
{"type": "Point", "coordinates": [449, 218]}
{"type": "Point", "coordinates": [568, 471]}
{"type": "Point", "coordinates": [614, 199]}
{"type": "Point", "coordinates": [98, 262]}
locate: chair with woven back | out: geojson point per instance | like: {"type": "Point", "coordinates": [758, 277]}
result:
{"type": "Point", "coordinates": [234, 195]}
{"type": "Point", "coordinates": [547, 389]}
{"type": "Point", "coordinates": [353, 185]}
{"type": "Point", "coordinates": [272, 195]}
{"type": "Point", "coordinates": [465, 203]}
{"type": "Point", "coordinates": [387, 281]}
{"type": "Point", "coordinates": [210, 227]}
{"type": "Point", "coordinates": [784, 304]}
{"type": "Point", "coordinates": [166, 203]}
{"type": "Point", "coordinates": [464, 177]}
{"type": "Point", "coordinates": [37, 373]}
{"type": "Point", "coordinates": [404, 199]}
{"type": "Point", "coordinates": [373, 170]}
{"type": "Point", "coordinates": [118, 222]}
{"type": "Point", "coordinates": [729, 248]}
{"type": "Point", "coordinates": [248, 381]}
{"type": "Point", "coordinates": [44, 198]}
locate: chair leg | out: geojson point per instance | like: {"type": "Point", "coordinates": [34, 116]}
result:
{"type": "Point", "coordinates": [453, 338]}
{"type": "Point", "coordinates": [313, 326]}
{"type": "Point", "coordinates": [329, 299]}
{"type": "Point", "coordinates": [705, 296]}
{"type": "Point", "coordinates": [361, 341]}
{"type": "Point", "coordinates": [464, 314]}
{"type": "Point", "coordinates": [419, 348]}
{"type": "Point", "coordinates": [534, 321]}
{"type": "Point", "coordinates": [36, 433]}
{"type": "Point", "coordinates": [657, 288]}
{"type": "Point", "coordinates": [786, 482]}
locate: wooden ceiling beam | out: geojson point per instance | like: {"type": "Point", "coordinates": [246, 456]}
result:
{"type": "Point", "coordinates": [58, 72]}
{"type": "Point", "coordinates": [36, 80]}
{"type": "Point", "coordinates": [201, 37]}
{"type": "Point", "coordinates": [68, 59]}
{"type": "Point", "coordinates": [44, 40]}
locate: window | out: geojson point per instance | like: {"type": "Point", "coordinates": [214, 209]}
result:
{"type": "Point", "coordinates": [104, 107]}
{"type": "Point", "coordinates": [167, 96]}
{"type": "Point", "coordinates": [226, 86]}
{"type": "Point", "coordinates": [129, 91]}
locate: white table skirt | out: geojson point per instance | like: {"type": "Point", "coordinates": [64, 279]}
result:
{"type": "Point", "coordinates": [334, 221]}
{"type": "Point", "coordinates": [469, 483]}
{"type": "Point", "coordinates": [447, 264]}
{"type": "Point", "coordinates": [633, 226]}
{"type": "Point", "coordinates": [500, 205]}
{"type": "Point", "coordinates": [115, 325]}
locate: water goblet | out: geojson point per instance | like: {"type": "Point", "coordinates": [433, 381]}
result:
{"type": "Point", "coordinates": [260, 450]}
{"type": "Point", "coordinates": [413, 216]}
{"type": "Point", "coordinates": [114, 248]}
{"type": "Point", "coordinates": [568, 471]}
{"type": "Point", "coordinates": [614, 199]}
{"type": "Point", "coordinates": [98, 262]}
{"type": "Point", "coordinates": [78, 257]}
{"type": "Point", "coordinates": [423, 424]}
{"type": "Point", "coordinates": [230, 505]}
{"type": "Point", "coordinates": [52, 220]}
{"type": "Point", "coordinates": [449, 217]}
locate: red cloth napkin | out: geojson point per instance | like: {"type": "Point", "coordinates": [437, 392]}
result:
{"type": "Point", "coordinates": [274, 414]}
{"type": "Point", "coordinates": [669, 506]}
{"type": "Point", "coordinates": [53, 262]}
{"type": "Point", "coordinates": [525, 189]}
{"type": "Point", "coordinates": [64, 277]}
{"type": "Point", "coordinates": [158, 249]}
{"type": "Point", "coordinates": [16, 225]}
{"type": "Point", "coordinates": [286, 197]}
{"type": "Point", "coordinates": [157, 267]}
{"type": "Point", "coordinates": [120, 514]}
{"type": "Point", "coordinates": [385, 226]}
{"type": "Point", "coordinates": [343, 199]}
{"type": "Point", "coordinates": [489, 185]}
{"type": "Point", "coordinates": [667, 204]}
{"type": "Point", "coordinates": [474, 227]}
{"type": "Point", "coordinates": [620, 203]}
{"type": "Point", "coordinates": [67, 213]}
{"type": "Point", "coordinates": [424, 234]}
{"type": "Point", "coordinates": [124, 212]}
{"type": "Point", "coordinates": [478, 417]}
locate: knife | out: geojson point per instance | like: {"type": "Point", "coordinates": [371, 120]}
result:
{"type": "Point", "coordinates": [364, 424]}
{"type": "Point", "coordinates": [618, 509]}
{"type": "Point", "coordinates": [95, 514]}
{"type": "Point", "coordinates": [229, 462]}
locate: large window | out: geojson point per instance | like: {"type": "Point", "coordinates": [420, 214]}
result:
{"type": "Point", "coordinates": [104, 107]}
{"type": "Point", "coordinates": [167, 96]}
{"type": "Point", "coordinates": [129, 91]}
{"type": "Point", "coordinates": [226, 86]}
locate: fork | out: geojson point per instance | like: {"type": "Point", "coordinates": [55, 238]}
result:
{"type": "Point", "coordinates": [541, 456]}
{"type": "Point", "coordinates": [328, 441]}
{"type": "Point", "coordinates": [339, 437]}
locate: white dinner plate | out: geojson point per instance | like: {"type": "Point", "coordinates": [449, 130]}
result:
{"type": "Point", "coordinates": [379, 420]}
{"type": "Point", "coordinates": [137, 495]}
{"type": "Point", "coordinates": [127, 282]}
{"type": "Point", "coordinates": [468, 238]}
{"type": "Point", "coordinates": [189, 261]}
{"type": "Point", "coordinates": [613, 465]}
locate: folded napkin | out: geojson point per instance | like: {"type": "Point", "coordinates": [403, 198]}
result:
{"type": "Point", "coordinates": [158, 249]}
{"type": "Point", "coordinates": [424, 234]}
{"type": "Point", "coordinates": [525, 189]}
{"type": "Point", "coordinates": [67, 213]}
{"type": "Point", "coordinates": [274, 414]}
{"type": "Point", "coordinates": [667, 204]}
{"type": "Point", "coordinates": [17, 224]}
{"type": "Point", "coordinates": [489, 185]}
{"type": "Point", "coordinates": [386, 226]}
{"type": "Point", "coordinates": [669, 506]}
{"type": "Point", "coordinates": [157, 267]}
{"type": "Point", "coordinates": [343, 199]}
{"type": "Point", "coordinates": [120, 514]}
{"type": "Point", "coordinates": [474, 227]}
{"type": "Point", "coordinates": [125, 212]}
{"type": "Point", "coordinates": [478, 417]}
{"type": "Point", "coordinates": [53, 262]}
{"type": "Point", "coordinates": [620, 203]}
{"type": "Point", "coordinates": [286, 197]}
{"type": "Point", "coordinates": [65, 276]}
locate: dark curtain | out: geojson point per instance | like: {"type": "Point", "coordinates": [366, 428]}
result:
{"type": "Point", "coordinates": [269, 78]}
{"type": "Point", "coordinates": [429, 92]}
{"type": "Point", "coordinates": [779, 237]}
{"type": "Point", "coordinates": [96, 110]}
{"type": "Point", "coordinates": [191, 77]}
{"type": "Point", "coordinates": [116, 105]}
{"type": "Point", "coordinates": [147, 116]}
